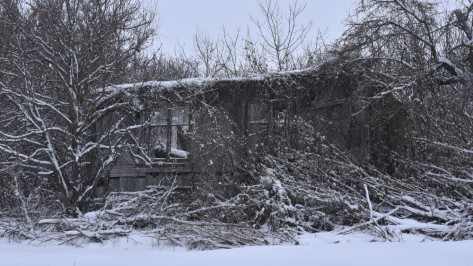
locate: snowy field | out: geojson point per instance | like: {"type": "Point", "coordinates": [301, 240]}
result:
{"type": "Point", "coordinates": [319, 249]}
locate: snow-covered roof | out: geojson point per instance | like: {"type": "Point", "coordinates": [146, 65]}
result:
{"type": "Point", "coordinates": [197, 84]}
{"type": "Point", "coordinates": [200, 82]}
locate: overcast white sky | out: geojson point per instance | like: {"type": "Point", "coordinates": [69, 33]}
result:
{"type": "Point", "coordinates": [180, 18]}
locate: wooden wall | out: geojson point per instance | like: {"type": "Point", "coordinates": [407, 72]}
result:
{"type": "Point", "coordinates": [259, 108]}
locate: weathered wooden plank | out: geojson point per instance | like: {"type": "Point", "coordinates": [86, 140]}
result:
{"type": "Point", "coordinates": [136, 171]}
{"type": "Point", "coordinates": [329, 104]}
{"type": "Point", "coordinates": [115, 184]}
{"type": "Point", "coordinates": [151, 180]}
{"type": "Point", "coordinates": [126, 183]}
{"type": "Point", "coordinates": [123, 184]}
{"type": "Point", "coordinates": [139, 183]}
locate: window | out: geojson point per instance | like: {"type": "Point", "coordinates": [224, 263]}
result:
{"type": "Point", "coordinates": [168, 132]}
{"type": "Point", "coordinates": [257, 113]}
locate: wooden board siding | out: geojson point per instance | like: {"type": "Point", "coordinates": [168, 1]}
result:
{"type": "Point", "coordinates": [259, 110]}
{"type": "Point", "coordinates": [125, 184]}
{"type": "Point", "coordinates": [135, 177]}
{"type": "Point", "coordinates": [141, 171]}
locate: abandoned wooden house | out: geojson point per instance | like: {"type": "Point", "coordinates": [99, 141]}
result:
{"type": "Point", "coordinates": [181, 118]}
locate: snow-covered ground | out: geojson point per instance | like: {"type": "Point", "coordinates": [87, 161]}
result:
{"type": "Point", "coordinates": [319, 249]}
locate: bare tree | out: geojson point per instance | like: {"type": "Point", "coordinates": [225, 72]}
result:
{"type": "Point", "coordinates": [314, 52]}
{"type": "Point", "coordinates": [230, 58]}
{"type": "Point", "coordinates": [415, 35]}
{"type": "Point", "coordinates": [207, 51]}
{"type": "Point", "coordinates": [213, 57]}
{"type": "Point", "coordinates": [418, 55]}
{"type": "Point", "coordinates": [281, 35]}
{"type": "Point", "coordinates": [255, 59]}
{"type": "Point", "coordinates": [278, 45]}
{"type": "Point", "coordinates": [159, 66]}
{"type": "Point", "coordinates": [63, 55]}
